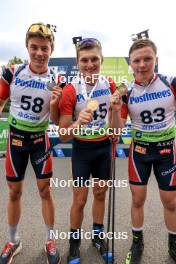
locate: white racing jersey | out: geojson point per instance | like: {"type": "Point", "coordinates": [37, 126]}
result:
{"type": "Point", "coordinates": [152, 109]}
{"type": "Point", "coordinates": [30, 99]}
{"type": "Point", "coordinates": [101, 93]}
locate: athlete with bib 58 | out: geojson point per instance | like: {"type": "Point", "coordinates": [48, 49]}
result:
{"type": "Point", "coordinates": [87, 101]}
{"type": "Point", "coordinates": [31, 102]}
{"type": "Point", "coordinates": [151, 106]}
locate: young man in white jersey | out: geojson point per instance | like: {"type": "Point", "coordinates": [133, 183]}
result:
{"type": "Point", "coordinates": [151, 107]}
{"type": "Point", "coordinates": [31, 101]}
{"type": "Point", "coordinates": [87, 99]}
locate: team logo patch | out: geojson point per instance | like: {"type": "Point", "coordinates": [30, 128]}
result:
{"type": "Point", "coordinates": [138, 134]}
{"type": "Point", "coordinates": [14, 122]}
{"type": "Point", "coordinates": [165, 151]}
{"type": "Point", "coordinates": [17, 142]}
{"type": "Point", "coordinates": [140, 149]}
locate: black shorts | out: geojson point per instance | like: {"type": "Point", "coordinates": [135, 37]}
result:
{"type": "Point", "coordinates": [22, 145]}
{"type": "Point", "coordinates": [161, 156]}
{"type": "Point", "coordinates": [91, 158]}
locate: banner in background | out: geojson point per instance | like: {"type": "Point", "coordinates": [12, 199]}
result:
{"type": "Point", "coordinates": [3, 134]}
{"type": "Point", "coordinates": [115, 67]}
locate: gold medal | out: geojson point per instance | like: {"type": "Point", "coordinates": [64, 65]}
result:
{"type": "Point", "coordinates": [92, 104]}
{"type": "Point", "coordinates": [123, 89]}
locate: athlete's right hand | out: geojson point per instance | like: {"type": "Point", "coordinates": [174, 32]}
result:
{"type": "Point", "coordinates": [85, 117]}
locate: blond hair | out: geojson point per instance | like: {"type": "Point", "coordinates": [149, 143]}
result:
{"type": "Point", "coordinates": [40, 34]}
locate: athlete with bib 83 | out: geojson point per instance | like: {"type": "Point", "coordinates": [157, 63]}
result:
{"type": "Point", "coordinates": [151, 103]}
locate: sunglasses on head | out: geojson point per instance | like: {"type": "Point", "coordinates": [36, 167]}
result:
{"type": "Point", "coordinates": [40, 27]}
{"type": "Point", "coordinates": [86, 42]}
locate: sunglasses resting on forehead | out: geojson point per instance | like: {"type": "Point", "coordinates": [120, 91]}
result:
{"type": "Point", "coordinates": [86, 42]}
{"type": "Point", "coordinates": [40, 27]}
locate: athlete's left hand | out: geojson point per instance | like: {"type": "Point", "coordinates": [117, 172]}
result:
{"type": "Point", "coordinates": [56, 95]}
{"type": "Point", "coordinates": [115, 101]}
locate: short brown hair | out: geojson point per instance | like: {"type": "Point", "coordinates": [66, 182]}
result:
{"type": "Point", "coordinates": [142, 43]}
{"type": "Point", "coordinates": [40, 33]}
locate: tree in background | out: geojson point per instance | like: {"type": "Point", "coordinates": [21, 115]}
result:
{"type": "Point", "coordinates": [14, 61]}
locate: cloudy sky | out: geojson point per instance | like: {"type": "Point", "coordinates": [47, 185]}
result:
{"type": "Point", "coordinates": [112, 22]}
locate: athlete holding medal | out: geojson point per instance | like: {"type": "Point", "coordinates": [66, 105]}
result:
{"type": "Point", "coordinates": [87, 99]}
{"type": "Point", "coordinates": [28, 87]}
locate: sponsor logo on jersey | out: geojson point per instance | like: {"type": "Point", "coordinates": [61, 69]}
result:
{"type": "Point", "coordinates": [153, 127]}
{"type": "Point", "coordinates": [96, 93]}
{"type": "Point", "coordinates": [138, 134]}
{"type": "Point", "coordinates": [173, 169]}
{"type": "Point", "coordinates": [101, 92]}
{"type": "Point", "coordinates": [17, 142]}
{"type": "Point", "coordinates": [140, 149]}
{"type": "Point", "coordinates": [16, 135]}
{"type": "Point", "coordinates": [165, 151]}
{"type": "Point", "coordinates": [14, 121]}
{"type": "Point", "coordinates": [30, 83]}
{"type": "Point", "coordinates": [149, 96]}
{"type": "Point", "coordinates": [165, 143]}
{"type": "Point", "coordinates": [142, 143]}
{"type": "Point", "coordinates": [28, 116]}
{"type": "Point", "coordinates": [80, 98]}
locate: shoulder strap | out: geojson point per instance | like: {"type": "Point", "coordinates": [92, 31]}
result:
{"type": "Point", "coordinates": [173, 86]}
{"type": "Point", "coordinates": [20, 68]}
{"type": "Point", "coordinates": [164, 79]}
{"type": "Point", "coordinates": [173, 83]}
